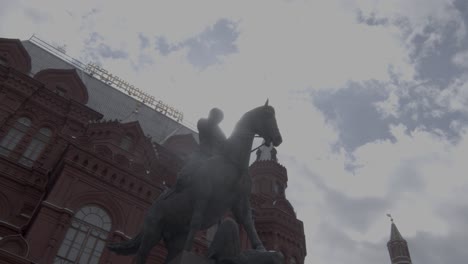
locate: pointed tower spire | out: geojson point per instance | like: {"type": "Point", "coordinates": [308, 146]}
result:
{"type": "Point", "coordinates": [395, 234]}
{"type": "Point", "coordinates": [397, 246]}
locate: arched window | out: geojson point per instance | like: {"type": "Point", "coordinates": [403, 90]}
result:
{"type": "Point", "coordinates": [35, 148]}
{"type": "Point", "coordinates": [85, 238]}
{"type": "Point", "coordinates": [126, 142]}
{"type": "Point", "coordinates": [14, 136]}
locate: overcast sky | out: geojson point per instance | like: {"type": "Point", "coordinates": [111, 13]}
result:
{"type": "Point", "coordinates": [371, 98]}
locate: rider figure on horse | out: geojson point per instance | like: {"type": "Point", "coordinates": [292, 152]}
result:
{"type": "Point", "coordinates": [212, 141]}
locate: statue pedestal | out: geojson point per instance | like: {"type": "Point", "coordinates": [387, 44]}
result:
{"type": "Point", "coordinates": [189, 258]}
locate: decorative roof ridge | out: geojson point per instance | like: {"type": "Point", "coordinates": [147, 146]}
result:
{"type": "Point", "coordinates": [265, 162]}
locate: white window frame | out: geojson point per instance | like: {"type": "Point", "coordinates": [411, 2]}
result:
{"type": "Point", "coordinates": [86, 237]}
{"type": "Point", "coordinates": [36, 146]}
{"type": "Point", "coordinates": [14, 136]}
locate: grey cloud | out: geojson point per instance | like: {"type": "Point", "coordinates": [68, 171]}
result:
{"type": "Point", "coordinates": [433, 45]}
{"type": "Point", "coordinates": [95, 50]}
{"type": "Point", "coordinates": [163, 46]}
{"type": "Point", "coordinates": [353, 113]}
{"type": "Point", "coordinates": [107, 52]}
{"type": "Point", "coordinates": [213, 43]}
{"type": "Point", "coordinates": [372, 19]}
{"type": "Point", "coordinates": [431, 49]}
{"type": "Point", "coordinates": [462, 7]}
{"type": "Point", "coordinates": [144, 41]}
{"type": "Point", "coordinates": [94, 38]}
{"type": "Point", "coordinates": [419, 108]}
{"type": "Point", "coordinates": [208, 47]}
{"type": "Point", "coordinates": [434, 59]}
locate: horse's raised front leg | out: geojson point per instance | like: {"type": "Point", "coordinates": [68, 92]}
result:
{"type": "Point", "coordinates": [196, 221]}
{"type": "Point", "coordinates": [243, 214]}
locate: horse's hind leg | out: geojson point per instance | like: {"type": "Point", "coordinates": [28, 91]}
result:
{"type": "Point", "coordinates": [196, 222]}
{"type": "Point", "coordinates": [150, 238]}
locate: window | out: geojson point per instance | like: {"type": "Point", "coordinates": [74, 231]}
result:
{"type": "Point", "coordinates": [3, 61]}
{"type": "Point", "coordinates": [14, 136]}
{"type": "Point", "coordinates": [60, 91]}
{"type": "Point", "coordinates": [275, 188]}
{"type": "Point", "coordinates": [36, 147]}
{"type": "Point", "coordinates": [85, 238]}
{"type": "Point", "coordinates": [126, 142]}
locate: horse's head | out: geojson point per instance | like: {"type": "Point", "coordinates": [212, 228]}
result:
{"type": "Point", "coordinates": [263, 123]}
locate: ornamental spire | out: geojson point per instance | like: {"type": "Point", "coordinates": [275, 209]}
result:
{"type": "Point", "coordinates": [395, 234]}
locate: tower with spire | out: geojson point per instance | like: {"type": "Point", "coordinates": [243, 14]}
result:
{"type": "Point", "coordinates": [275, 218]}
{"type": "Point", "coordinates": [397, 246]}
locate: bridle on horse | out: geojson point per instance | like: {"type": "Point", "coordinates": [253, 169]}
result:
{"type": "Point", "coordinates": [263, 144]}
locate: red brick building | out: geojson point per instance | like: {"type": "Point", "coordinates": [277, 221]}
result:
{"type": "Point", "coordinates": [80, 161]}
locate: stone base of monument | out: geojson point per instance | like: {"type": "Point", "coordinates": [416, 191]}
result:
{"type": "Point", "coordinates": [189, 258]}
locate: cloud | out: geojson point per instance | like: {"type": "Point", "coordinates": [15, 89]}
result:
{"type": "Point", "coordinates": [371, 20]}
{"type": "Point", "coordinates": [107, 52]}
{"type": "Point", "coordinates": [144, 41]}
{"type": "Point", "coordinates": [364, 112]}
{"type": "Point", "coordinates": [353, 112]}
{"type": "Point", "coordinates": [163, 46]}
{"type": "Point", "coordinates": [206, 48]}
{"type": "Point", "coordinates": [432, 51]}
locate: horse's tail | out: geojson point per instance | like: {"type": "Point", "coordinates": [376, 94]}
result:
{"type": "Point", "coordinates": [128, 247]}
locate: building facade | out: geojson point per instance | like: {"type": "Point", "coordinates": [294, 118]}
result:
{"type": "Point", "coordinates": [80, 163]}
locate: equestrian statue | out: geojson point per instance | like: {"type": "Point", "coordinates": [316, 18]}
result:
{"type": "Point", "coordinates": [214, 181]}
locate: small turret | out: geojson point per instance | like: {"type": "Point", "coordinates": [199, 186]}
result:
{"type": "Point", "coordinates": [268, 176]}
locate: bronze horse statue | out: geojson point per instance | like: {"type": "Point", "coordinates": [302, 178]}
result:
{"type": "Point", "coordinates": [219, 184]}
